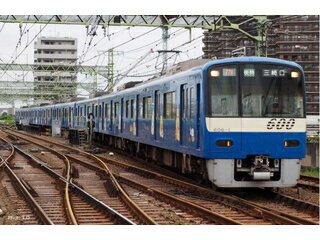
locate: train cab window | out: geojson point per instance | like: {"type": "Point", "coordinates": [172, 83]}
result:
{"type": "Point", "coordinates": [127, 108]}
{"type": "Point", "coordinates": [271, 91]}
{"type": "Point", "coordinates": [132, 109]}
{"type": "Point", "coordinates": [222, 91]}
{"type": "Point", "coordinates": [192, 101]}
{"type": "Point", "coordinates": [169, 105]}
{"type": "Point", "coordinates": [147, 110]}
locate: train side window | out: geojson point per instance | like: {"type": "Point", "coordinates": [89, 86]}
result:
{"type": "Point", "coordinates": [127, 108]}
{"type": "Point", "coordinates": [192, 101]}
{"type": "Point", "coordinates": [169, 105]}
{"type": "Point", "coordinates": [96, 111]}
{"type": "Point", "coordinates": [116, 109]}
{"type": "Point", "coordinates": [147, 111]}
{"type": "Point", "coordinates": [88, 110]}
{"type": "Point", "coordinates": [132, 109]}
{"type": "Point", "coordinates": [106, 111]}
{"type": "Point", "coordinates": [99, 112]}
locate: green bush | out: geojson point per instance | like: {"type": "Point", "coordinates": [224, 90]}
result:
{"type": "Point", "coordinates": [7, 119]}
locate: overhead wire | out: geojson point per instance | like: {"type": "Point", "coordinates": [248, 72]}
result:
{"type": "Point", "coordinates": [149, 60]}
{"type": "Point", "coordinates": [41, 29]}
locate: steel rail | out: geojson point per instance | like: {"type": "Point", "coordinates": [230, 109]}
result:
{"type": "Point", "coordinates": [246, 205]}
{"type": "Point", "coordinates": [210, 214]}
{"type": "Point", "coordinates": [309, 178]}
{"type": "Point", "coordinates": [309, 182]}
{"type": "Point", "coordinates": [122, 219]}
{"type": "Point", "coordinates": [37, 209]}
{"type": "Point", "coordinates": [67, 202]}
{"type": "Point", "coordinates": [124, 196]}
{"type": "Point", "coordinates": [264, 212]}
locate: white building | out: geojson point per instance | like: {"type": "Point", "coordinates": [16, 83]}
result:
{"type": "Point", "coordinates": [55, 51]}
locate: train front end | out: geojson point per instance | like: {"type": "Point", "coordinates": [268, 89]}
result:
{"type": "Point", "coordinates": [255, 123]}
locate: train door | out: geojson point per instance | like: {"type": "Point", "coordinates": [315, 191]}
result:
{"type": "Point", "coordinates": [72, 118]}
{"type": "Point", "coordinates": [102, 116]}
{"type": "Point", "coordinates": [184, 128]}
{"type": "Point", "coordinates": [157, 115]}
{"type": "Point", "coordinates": [121, 115]}
{"type": "Point", "coordinates": [197, 132]}
{"type": "Point", "coordinates": [99, 120]}
{"type": "Point", "coordinates": [68, 115]}
{"type": "Point", "coordinates": [137, 115]}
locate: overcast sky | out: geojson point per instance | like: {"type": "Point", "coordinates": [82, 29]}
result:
{"type": "Point", "coordinates": [129, 53]}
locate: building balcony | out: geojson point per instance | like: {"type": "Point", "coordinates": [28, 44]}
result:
{"type": "Point", "coordinates": [55, 47]}
{"type": "Point", "coordinates": [316, 61]}
{"type": "Point", "coordinates": [283, 41]}
{"type": "Point", "coordinates": [54, 75]}
{"type": "Point", "coordinates": [312, 91]}
{"type": "Point", "coordinates": [55, 56]}
{"type": "Point", "coordinates": [284, 51]}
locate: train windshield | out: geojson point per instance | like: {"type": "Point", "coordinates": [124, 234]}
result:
{"type": "Point", "coordinates": [271, 91]}
{"type": "Point", "coordinates": [266, 90]}
{"type": "Point", "coordinates": [222, 91]}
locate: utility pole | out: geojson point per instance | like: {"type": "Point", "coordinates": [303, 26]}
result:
{"type": "Point", "coordinates": [165, 37]}
{"type": "Point", "coordinates": [261, 41]}
{"type": "Point", "coordinates": [110, 71]}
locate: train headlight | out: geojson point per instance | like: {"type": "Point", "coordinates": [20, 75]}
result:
{"type": "Point", "coordinates": [294, 74]}
{"type": "Point", "coordinates": [215, 73]}
{"type": "Point", "coordinates": [291, 143]}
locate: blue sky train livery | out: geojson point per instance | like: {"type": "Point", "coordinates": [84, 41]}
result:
{"type": "Point", "coordinates": [237, 122]}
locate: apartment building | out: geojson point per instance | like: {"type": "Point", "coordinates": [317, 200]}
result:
{"type": "Point", "coordinates": [293, 38]}
{"type": "Point", "coordinates": [56, 53]}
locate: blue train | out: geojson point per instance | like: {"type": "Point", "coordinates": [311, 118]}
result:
{"type": "Point", "coordinates": [237, 122]}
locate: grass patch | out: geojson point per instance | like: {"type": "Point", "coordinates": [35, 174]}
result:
{"type": "Point", "coordinates": [312, 172]}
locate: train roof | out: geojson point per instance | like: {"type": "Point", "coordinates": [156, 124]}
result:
{"type": "Point", "coordinates": [253, 59]}
{"type": "Point", "coordinates": [193, 70]}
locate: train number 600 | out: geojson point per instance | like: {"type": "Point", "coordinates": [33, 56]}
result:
{"type": "Point", "coordinates": [281, 123]}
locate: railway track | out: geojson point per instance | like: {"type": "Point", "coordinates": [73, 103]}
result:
{"type": "Point", "coordinates": [164, 217]}
{"type": "Point", "coordinates": [57, 197]}
{"type": "Point", "coordinates": [173, 191]}
{"type": "Point", "coordinates": [27, 210]}
{"type": "Point", "coordinates": [308, 182]}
